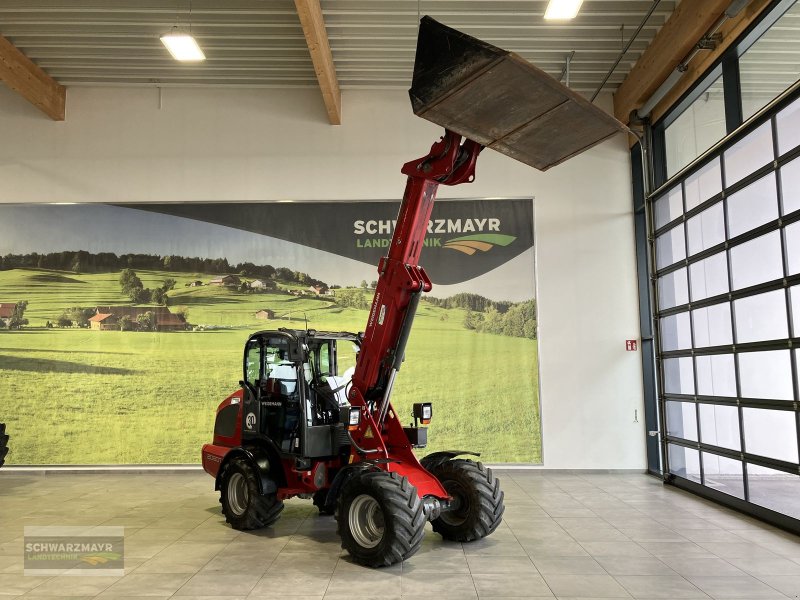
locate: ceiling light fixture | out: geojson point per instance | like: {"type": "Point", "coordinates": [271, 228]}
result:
{"type": "Point", "coordinates": [182, 46]}
{"type": "Point", "coordinates": [180, 43]}
{"type": "Point", "coordinates": [562, 10]}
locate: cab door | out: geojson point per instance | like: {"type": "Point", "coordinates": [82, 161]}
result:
{"type": "Point", "coordinates": [253, 371]}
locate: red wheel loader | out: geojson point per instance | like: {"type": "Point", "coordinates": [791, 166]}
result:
{"type": "Point", "coordinates": [300, 425]}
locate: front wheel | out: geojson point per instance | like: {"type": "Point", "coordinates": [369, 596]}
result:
{"type": "Point", "coordinates": [380, 518]}
{"type": "Point", "coordinates": [477, 506]}
{"type": "Point", "coordinates": [243, 504]}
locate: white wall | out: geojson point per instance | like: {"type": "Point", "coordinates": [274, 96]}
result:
{"type": "Point", "coordinates": [208, 144]}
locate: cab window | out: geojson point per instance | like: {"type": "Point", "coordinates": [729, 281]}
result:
{"type": "Point", "coordinates": [252, 363]}
{"type": "Point", "coordinates": [325, 360]}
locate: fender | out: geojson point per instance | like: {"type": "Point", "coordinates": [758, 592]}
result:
{"type": "Point", "coordinates": [342, 477]}
{"type": "Point", "coordinates": [264, 459]}
{"type": "Point", "coordinates": [435, 459]}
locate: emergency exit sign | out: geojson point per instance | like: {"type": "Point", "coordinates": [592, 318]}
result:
{"type": "Point", "coordinates": [630, 345]}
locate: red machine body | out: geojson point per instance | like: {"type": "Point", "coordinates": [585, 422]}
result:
{"type": "Point", "coordinates": [380, 437]}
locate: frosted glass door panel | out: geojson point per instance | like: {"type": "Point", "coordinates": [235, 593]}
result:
{"type": "Point", "coordinates": [749, 154]}
{"type": "Point", "coordinates": [761, 317]}
{"type": "Point", "coordinates": [775, 490]}
{"type": "Point", "coordinates": [770, 433]}
{"type": "Point", "coordinates": [719, 425]}
{"type": "Point", "coordinates": [788, 121]}
{"type": "Point", "coordinates": [678, 375]}
{"type": "Point", "coordinates": [792, 233]}
{"type": "Point", "coordinates": [757, 261]}
{"type": "Point", "coordinates": [676, 332]}
{"type": "Point", "coordinates": [723, 474]}
{"type": "Point", "coordinates": [753, 206]}
{"type": "Point", "coordinates": [707, 229]}
{"type": "Point", "coordinates": [670, 247]}
{"type": "Point", "coordinates": [669, 207]}
{"type": "Point", "coordinates": [790, 186]}
{"type": "Point", "coordinates": [712, 325]}
{"type": "Point", "coordinates": [684, 462]}
{"type": "Point", "coordinates": [682, 420]}
{"type": "Point", "coordinates": [703, 185]}
{"type": "Point", "coordinates": [673, 289]}
{"type": "Point", "coordinates": [766, 375]}
{"type": "Point", "coordinates": [716, 375]}
{"type": "Point", "coordinates": [709, 276]}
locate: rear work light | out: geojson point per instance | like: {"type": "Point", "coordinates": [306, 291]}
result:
{"type": "Point", "coordinates": [423, 412]}
{"type": "Point", "coordinates": [351, 417]}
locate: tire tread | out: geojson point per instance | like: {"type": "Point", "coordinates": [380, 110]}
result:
{"type": "Point", "coordinates": [485, 488]}
{"type": "Point", "coordinates": [263, 510]}
{"type": "Point", "coordinates": [405, 523]}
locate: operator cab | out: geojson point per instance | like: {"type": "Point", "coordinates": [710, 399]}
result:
{"type": "Point", "coordinates": [295, 383]}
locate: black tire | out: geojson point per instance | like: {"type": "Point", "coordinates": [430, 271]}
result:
{"type": "Point", "coordinates": [243, 504]}
{"type": "Point", "coordinates": [380, 518]}
{"type": "Point", "coordinates": [320, 498]}
{"type": "Point", "coordinates": [3, 444]}
{"type": "Point", "coordinates": [477, 497]}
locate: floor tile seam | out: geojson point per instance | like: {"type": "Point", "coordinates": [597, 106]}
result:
{"type": "Point", "coordinates": [759, 578]}
{"type": "Point", "coordinates": [649, 554]}
{"type": "Point", "coordinates": [727, 562]}
{"type": "Point", "coordinates": [752, 577]}
{"type": "Point", "coordinates": [520, 545]}
{"type": "Point", "coordinates": [197, 572]}
{"type": "Point", "coordinates": [685, 579]}
{"type": "Point", "coordinates": [469, 570]}
{"type": "Point", "coordinates": [669, 571]}
{"type": "Point", "coordinates": [39, 584]}
{"type": "Point", "coordinates": [328, 585]}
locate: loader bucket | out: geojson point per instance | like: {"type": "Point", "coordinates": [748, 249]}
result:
{"type": "Point", "coordinates": [500, 100]}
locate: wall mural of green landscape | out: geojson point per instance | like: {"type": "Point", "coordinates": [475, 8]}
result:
{"type": "Point", "coordinates": [116, 345]}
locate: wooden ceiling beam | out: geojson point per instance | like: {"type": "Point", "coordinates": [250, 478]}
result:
{"type": "Point", "coordinates": [26, 78]}
{"type": "Point", "coordinates": [313, 23]}
{"type": "Point", "coordinates": [730, 30]}
{"type": "Point", "coordinates": [688, 23]}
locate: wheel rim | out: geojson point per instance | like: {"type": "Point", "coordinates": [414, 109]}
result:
{"type": "Point", "coordinates": [459, 506]}
{"type": "Point", "coordinates": [366, 521]}
{"type": "Point", "coordinates": [238, 494]}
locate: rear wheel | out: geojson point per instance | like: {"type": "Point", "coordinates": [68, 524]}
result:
{"type": "Point", "coordinates": [477, 506]}
{"type": "Point", "coordinates": [243, 504]}
{"type": "Point", "coordinates": [380, 518]}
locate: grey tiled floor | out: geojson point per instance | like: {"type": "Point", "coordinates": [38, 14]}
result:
{"type": "Point", "coordinates": [564, 536]}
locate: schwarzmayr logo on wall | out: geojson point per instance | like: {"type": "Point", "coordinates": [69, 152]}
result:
{"type": "Point", "coordinates": [367, 230]}
{"type": "Point", "coordinates": [465, 239]}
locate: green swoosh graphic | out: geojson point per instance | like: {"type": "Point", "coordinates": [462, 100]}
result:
{"type": "Point", "coordinates": [498, 239]}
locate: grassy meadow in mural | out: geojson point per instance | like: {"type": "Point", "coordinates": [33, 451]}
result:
{"type": "Point", "coordinates": [70, 393]}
